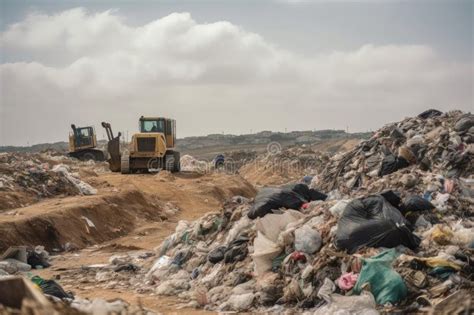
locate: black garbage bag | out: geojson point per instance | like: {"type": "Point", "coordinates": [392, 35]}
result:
{"type": "Point", "coordinates": [392, 163]}
{"type": "Point", "coordinates": [237, 250]}
{"type": "Point", "coordinates": [51, 287]}
{"type": "Point", "coordinates": [34, 259]}
{"type": "Point", "coordinates": [464, 123]}
{"type": "Point", "coordinates": [415, 203]}
{"type": "Point", "coordinates": [309, 194]}
{"type": "Point", "coordinates": [217, 254]}
{"type": "Point", "coordinates": [373, 222]}
{"type": "Point", "coordinates": [291, 196]}
{"type": "Point", "coordinates": [181, 257]}
{"type": "Point", "coordinates": [127, 267]}
{"type": "Point", "coordinates": [392, 197]}
{"type": "Point", "coordinates": [430, 113]}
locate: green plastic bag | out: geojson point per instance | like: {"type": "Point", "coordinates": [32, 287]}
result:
{"type": "Point", "coordinates": [386, 284]}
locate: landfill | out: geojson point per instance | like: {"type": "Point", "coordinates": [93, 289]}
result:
{"type": "Point", "coordinates": [439, 144]}
{"type": "Point", "coordinates": [393, 234]}
{"type": "Point", "coordinates": [385, 227]}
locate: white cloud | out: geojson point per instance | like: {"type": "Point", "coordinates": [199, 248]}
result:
{"type": "Point", "coordinates": [85, 67]}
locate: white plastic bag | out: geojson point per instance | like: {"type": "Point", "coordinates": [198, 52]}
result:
{"type": "Point", "coordinates": [271, 225]}
{"type": "Point", "coordinates": [363, 304]}
{"type": "Point", "coordinates": [307, 240]}
{"type": "Point", "coordinates": [339, 207]}
{"type": "Point", "coordinates": [264, 252]}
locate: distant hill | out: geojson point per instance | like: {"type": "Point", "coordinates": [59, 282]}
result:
{"type": "Point", "coordinates": [221, 141]}
{"type": "Point", "coordinates": [57, 146]}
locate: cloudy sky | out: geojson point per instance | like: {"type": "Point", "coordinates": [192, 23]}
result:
{"type": "Point", "coordinates": [229, 66]}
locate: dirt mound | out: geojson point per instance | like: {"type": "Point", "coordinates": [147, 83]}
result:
{"type": "Point", "coordinates": [283, 167]}
{"type": "Point", "coordinates": [78, 221]}
{"type": "Point", "coordinates": [124, 204]}
{"type": "Point", "coordinates": [201, 192]}
{"type": "Point", "coordinates": [337, 145]}
{"type": "Point", "coordinates": [290, 164]}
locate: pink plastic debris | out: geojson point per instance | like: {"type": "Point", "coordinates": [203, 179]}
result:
{"type": "Point", "coordinates": [347, 281]}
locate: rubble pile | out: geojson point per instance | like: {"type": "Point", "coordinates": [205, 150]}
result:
{"type": "Point", "coordinates": [442, 143]}
{"type": "Point", "coordinates": [283, 166]}
{"type": "Point", "coordinates": [37, 176]}
{"type": "Point", "coordinates": [393, 241]}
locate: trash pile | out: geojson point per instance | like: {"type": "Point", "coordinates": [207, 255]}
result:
{"type": "Point", "coordinates": [36, 176]}
{"type": "Point", "coordinates": [399, 238]}
{"type": "Point", "coordinates": [442, 143]}
{"type": "Point", "coordinates": [283, 166]}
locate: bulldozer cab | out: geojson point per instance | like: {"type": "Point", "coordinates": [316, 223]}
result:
{"type": "Point", "coordinates": [82, 138]}
{"type": "Point", "coordinates": [165, 126]}
{"type": "Point", "coordinates": [150, 150]}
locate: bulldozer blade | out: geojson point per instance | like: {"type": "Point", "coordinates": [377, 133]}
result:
{"type": "Point", "coordinates": [113, 146]}
{"type": "Point", "coordinates": [114, 151]}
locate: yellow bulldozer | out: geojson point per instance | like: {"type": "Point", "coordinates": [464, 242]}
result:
{"type": "Point", "coordinates": [83, 143]}
{"type": "Point", "coordinates": [150, 150]}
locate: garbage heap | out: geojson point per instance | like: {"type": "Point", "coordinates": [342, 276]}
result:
{"type": "Point", "coordinates": [283, 166]}
{"type": "Point", "coordinates": [405, 248]}
{"type": "Point", "coordinates": [432, 141]}
{"type": "Point", "coordinates": [37, 176]}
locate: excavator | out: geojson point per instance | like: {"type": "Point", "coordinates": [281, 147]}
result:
{"type": "Point", "coordinates": [83, 143]}
{"type": "Point", "coordinates": [150, 150]}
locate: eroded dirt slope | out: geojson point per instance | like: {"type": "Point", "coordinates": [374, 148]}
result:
{"type": "Point", "coordinates": [123, 203]}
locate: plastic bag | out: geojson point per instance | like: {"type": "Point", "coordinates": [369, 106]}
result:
{"type": "Point", "coordinates": [264, 252]}
{"type": "Point", "coordinates": [430, 113]}
{"type": "Point", "coordinates": [237, 250]}
{"type": "Point", "coordinates": [217, 254]}
{"type": "Point", "coordinates": [373, 222]}
{"type": "Point", "coordinates": [51, 287]}
{"type": "Point", "coordinates": [464, 123]}
{"type": "Point", "coordinates": [386, 284]}
{"type": "Point", "coordinates": [345, 305]}
{"type": "Point", "coordinates": [339, 207]}
{"type": "Point", "coordinates": [347, 281]}
{"type": "Point", "coordinates": [273, 224]}
{"type": "Point", "coordinates": [391, 163]}
{"type": "Point", "coordinates": [289, 197]}
{"type": "Point", "coordinates": [307, 240]}
{"type": "Point", "coordinates": [416, 203]}
{"type": "Point", "coordinates": [83, 187]}
{"type": "Point", "coordinates": [241, 302]}
{"type": "Point", "coordinates": [160, 263]}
